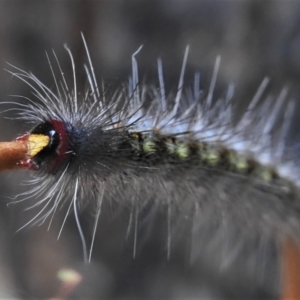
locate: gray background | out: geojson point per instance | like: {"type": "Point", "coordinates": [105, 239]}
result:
{"type": "Point", "coordinates": [254, 38]}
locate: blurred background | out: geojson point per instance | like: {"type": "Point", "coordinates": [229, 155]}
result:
{"type": "Point", "coordinates": [254, 38]}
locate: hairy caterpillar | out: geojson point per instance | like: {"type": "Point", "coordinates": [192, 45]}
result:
{"type": "Point", "coordinates": [226, 187]}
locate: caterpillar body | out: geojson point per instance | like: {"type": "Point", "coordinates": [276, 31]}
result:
{"type": "Point", "coordinates": [229, 184]}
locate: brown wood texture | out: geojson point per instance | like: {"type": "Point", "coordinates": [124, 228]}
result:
{"type": "Point", "coordinates": [11, 153]}
{"type": "Point", "coordinates": [291, 270]}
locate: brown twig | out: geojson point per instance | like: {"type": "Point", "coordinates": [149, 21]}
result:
{"type": "Point", "coordinates": [291, 270]}
{"type": "Point", "coordinates": [11, 153]}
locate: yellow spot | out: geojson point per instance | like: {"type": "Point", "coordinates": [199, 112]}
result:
{"type": "Point", "coordinates": [238, 162]}
{"type": "Point", "coordinates": [149, 147]}
{"type": "Point", "coordinates": [182, 151]}
{"type": "Point", "coordinates": [36, 143]}
{"type": "Point", "coordinates": [266, 175]}
{"type": "Point", "coordinates": [69, 276]}
{"type": "Point", "coordinates": [210, 156]}
{"type": "Point", "coordinates": [213, 158]}
{"type": "Point", "coordinates": [241, 164]}
{"type": "Point", "coordinates": [135, 135]}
